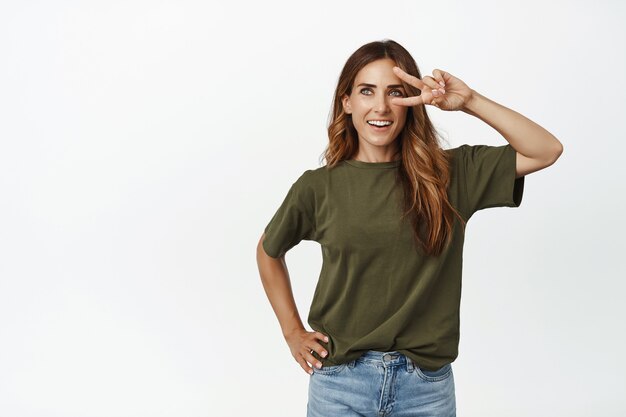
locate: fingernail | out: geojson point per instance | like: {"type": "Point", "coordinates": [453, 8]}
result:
{"type": "Point", "coordinates": [311, 371]}
{"type": "Point", "coordinates": [435, 92]}
{"type": "Point", "coordinates": [323, 354]}
{"type": "Point", "coordinates": [319, 365]}
{"type": "Point", "coordinates": [326, 339]}
{"type": "Point", "coordinates": [442, 83]}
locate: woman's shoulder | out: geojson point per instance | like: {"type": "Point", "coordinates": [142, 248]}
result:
{"type": "Point", "coordinates": [317, 181]}
{"type": "Point", "coordinates": [457, 149]}
{"type": "Point", "coordinates": [313, 178]}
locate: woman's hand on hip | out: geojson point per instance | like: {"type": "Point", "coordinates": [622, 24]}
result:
{"type": "Point", "coordinates": [301, 343]}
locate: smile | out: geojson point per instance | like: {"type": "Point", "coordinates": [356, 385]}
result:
{"type": "Point", "coordinates": [380, 125]}
{"type": "Point", "coordinates": [379, 122]}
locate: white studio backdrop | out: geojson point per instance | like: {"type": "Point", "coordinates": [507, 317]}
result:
{"type": "Point", "coordinates": [145, 145]}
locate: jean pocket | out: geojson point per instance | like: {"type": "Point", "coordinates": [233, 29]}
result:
{"type": "Point", "coordinates": [437, 375]}
{"type": "Point", "coordinates": [330, 369]}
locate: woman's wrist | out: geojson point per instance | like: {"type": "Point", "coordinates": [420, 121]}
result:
{"type": "Point", "coordinates": [470, 105]}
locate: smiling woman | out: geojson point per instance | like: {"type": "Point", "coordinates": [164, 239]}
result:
{"type": "Point", "coordinates": [367, 92]}
{"type": "Point", "coordinates": [374, 117]}
{"type": "Point", "coordinates": [389, 210]}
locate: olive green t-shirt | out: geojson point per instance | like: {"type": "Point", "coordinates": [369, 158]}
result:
{"type": "Point", "coordinates": [376, 291]}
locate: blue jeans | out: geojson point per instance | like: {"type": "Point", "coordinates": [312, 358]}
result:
{"type": "Point", "coordinates": [380, 384]}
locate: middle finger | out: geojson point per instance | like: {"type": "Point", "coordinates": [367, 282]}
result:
{"type": "Point", "coordinates": [408, 78]}
{"type": "Point", "coordinates": [432, 83]}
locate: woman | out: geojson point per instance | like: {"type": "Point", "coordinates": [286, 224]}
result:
{"type": "Point", "coordinates": [389, 210]}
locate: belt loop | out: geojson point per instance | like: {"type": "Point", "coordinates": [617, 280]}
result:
{"type": "Point", "coordinates": [409, 364]}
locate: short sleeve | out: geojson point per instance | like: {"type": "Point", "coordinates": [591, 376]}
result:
{"type": "Point", "coordinates": [292, 222]}
{"type": "Point", "coordinates": [490, 177]}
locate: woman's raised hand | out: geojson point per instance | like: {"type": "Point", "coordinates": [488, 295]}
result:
{"type": "Point", "coordinates": [301, 342]}
{"type": "Point", "coordinates": [443, 91]}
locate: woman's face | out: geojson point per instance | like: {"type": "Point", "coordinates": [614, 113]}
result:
{"type": "Point", "coordinates": [375, 85]}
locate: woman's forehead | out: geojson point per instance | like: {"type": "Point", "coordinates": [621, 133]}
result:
{"type": "Point", "coordinates": [378, 73]}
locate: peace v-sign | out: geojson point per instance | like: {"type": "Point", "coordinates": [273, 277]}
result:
{"type": "Point", "coordinates": [443, 91]}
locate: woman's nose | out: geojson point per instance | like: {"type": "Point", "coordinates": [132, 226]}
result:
{"type": "Point", "coordinates": [382, 104]}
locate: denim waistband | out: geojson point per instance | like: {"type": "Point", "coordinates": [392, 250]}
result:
{"type": "Point", "coordinates": [387, 358]}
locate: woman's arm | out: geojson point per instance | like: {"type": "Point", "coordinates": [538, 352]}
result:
{"type": "Point", "coordinates": [536, 147]}
{"type": "Point", "coordinates": [277, 285]}
{"type": "Point", "coordinates": [275, 278]}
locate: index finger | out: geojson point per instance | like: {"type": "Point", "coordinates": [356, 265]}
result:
{"type": "Point", "coordinates": [322, 336]}
{"type": "Point", "coordinates": [413, 81]}
{"type": "Point", "coordinates": [407, 101]}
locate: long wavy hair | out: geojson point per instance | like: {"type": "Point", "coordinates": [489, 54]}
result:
{"type": "Point", "coordinates": [424, 170]}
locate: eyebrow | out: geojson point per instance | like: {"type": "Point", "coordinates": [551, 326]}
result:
{"type": "Point", "coordinates": [374, 86]}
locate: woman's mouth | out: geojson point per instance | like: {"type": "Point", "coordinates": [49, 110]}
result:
{"type": "Point", "coordinates": [380, 125]}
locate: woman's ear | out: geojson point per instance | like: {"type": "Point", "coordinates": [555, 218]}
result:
{"type": "Point", "coordinates": [345, 100]}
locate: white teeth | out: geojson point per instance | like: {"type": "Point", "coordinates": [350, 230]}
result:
{"type": "Point", "coordinates": [377, 123]}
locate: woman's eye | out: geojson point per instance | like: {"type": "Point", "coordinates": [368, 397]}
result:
{"type": "Point", "coordinates": [400, 94]}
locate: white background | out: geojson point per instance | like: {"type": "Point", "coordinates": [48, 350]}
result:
{"type": "Point", "coordinates": [144, 146]}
